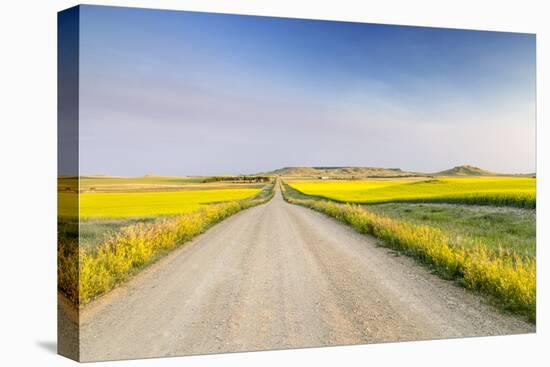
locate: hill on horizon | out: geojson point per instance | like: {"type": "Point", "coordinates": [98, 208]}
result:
{"type": "Point", "coordinates": [345, 171]}
{"type": "Point", "coordinates": [363, 172]}
{"type": "Point", "coordinates": [466, 170]}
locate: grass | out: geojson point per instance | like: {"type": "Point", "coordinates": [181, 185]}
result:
{"type": "Point", "coordinates": [497, 228]}
{"type": "Point", "coordinates": [94, 231]}
{"type": "Point", "coordinates": [124, 253]}
{"type": "Point", "coordinates": [497, 191]}
{"type": "Point", "coordinates": [506, 277]}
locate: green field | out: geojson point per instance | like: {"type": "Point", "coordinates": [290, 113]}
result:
{"type": "Point", "coordinates": [501, 191]}
{"type": "Point", "coordinates": [497, 228]}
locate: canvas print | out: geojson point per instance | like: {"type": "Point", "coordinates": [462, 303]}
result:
{"type": "Point", "coordinates": [232, 183]}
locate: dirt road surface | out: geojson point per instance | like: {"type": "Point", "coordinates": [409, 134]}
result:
{"type": "Point", "coordinates": [281, 276]}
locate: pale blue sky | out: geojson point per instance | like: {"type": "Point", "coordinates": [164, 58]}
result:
{"type": "Point", "coordinates": [182, 93]}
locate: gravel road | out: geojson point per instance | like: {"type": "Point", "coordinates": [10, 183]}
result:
{"type": "Point", "coordinates": [281, 276]}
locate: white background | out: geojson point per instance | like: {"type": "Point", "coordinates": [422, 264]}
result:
{"type": "Point", "coordinates": [28, 181]}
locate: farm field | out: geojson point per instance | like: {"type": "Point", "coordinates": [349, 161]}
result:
{"type": "Point", "coordinates": [144, 204]}
{"type": "Point", "coordinates": [486, 247]}
{"type": "Point", "coordinates": [123, 197]}
{"type": "Point", "coordinates": [112, 183]}
{"type": "Point", "coordinates": [102, 182]}
{"type": "Point", "coordinates": [279, 262]}
{"type": "Point", "coordinates": [117, 203]}
{"type": "Point", "coordinates": [121, 232]}
{"type": "Point", "coordinates": [500, 191]}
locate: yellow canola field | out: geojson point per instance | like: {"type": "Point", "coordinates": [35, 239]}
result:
{"type": "Point", "coordinates": [504, 191]}
{"type": "Point", "coordinates": [146, 204]}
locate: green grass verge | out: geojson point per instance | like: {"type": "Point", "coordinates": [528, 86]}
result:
{"type": "Point", "coordinates": [510, 229]}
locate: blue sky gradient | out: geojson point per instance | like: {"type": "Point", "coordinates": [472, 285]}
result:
{"type": "Point", "coordinates": [184, 93]}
